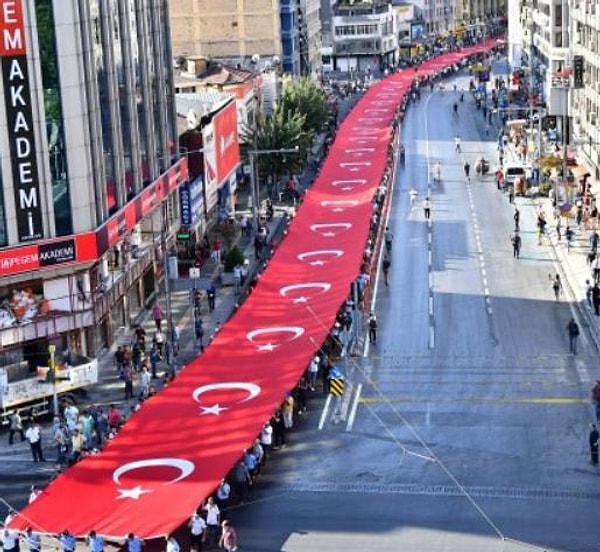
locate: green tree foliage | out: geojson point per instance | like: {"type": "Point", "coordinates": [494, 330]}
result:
{"type": "Point", "coordinates": [276, 133]}
{"type": "Point", "coordinates": [306, 97]}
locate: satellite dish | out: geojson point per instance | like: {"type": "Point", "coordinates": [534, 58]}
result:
{"type": "Point", "coordinates": [276, 60]}
{"type": "Point", "coordinates": [255, 59]}
{"type": "Point", "coordinates": [192, 119]}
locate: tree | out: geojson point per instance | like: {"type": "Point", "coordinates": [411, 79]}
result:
{"type": "Point", "coordinates": [276, 133]}
{"type": "Point", "coordinates": [305, 97]}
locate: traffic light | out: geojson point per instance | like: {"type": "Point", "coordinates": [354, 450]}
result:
{"type": "Point", "coordinates": [578, 71]}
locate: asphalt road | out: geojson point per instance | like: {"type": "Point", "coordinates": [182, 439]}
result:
{"type": "Point", "coordinates": [470, 431]}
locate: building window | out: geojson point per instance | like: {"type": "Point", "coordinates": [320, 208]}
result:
{"type": "Point", "coordinates": [57, 153]}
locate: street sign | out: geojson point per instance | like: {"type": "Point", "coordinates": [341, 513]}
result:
{"type": "Point", "coordinates": [336, 387]}
{"type": "Point", "coordinates": [194, 273]}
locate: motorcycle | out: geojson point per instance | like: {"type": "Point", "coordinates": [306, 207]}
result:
{"type": "Point", "coordinates": [482, 167]}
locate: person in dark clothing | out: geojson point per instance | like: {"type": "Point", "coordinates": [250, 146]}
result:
{"type": "Point", "coordinates": [516, 243]}
{"type": "Point", "coordinates": [573, 330]}
{"type": "Point", "coordinates": [594, 441]}
{"type": "Point", "coordinates": [596, 299]}
{"type": "Point", "coordinates": [325, 376]}
{"type": "Point", "coordinates": [211, 293]}
{"type": "Point", "coordinates": [517, 218]}
{"type": "Point", "coordinates": [372, 329]}
{"type": "Point", "coordinates": [278, 430]}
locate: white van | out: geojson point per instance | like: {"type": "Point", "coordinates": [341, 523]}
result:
{"type": "Point", "coordinates": [513, 171]}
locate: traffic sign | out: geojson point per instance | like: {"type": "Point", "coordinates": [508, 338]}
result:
{"type": "Point", "coordinates": [336, 387]}
{"type": "Point", "coordinates": [194, 273]}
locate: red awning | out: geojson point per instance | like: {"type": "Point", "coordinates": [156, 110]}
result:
{"type": "Point", "coordinates": [173, 452]}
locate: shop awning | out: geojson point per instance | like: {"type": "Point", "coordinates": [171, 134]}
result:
{"type": "Point", "coordinates": [173, 452]}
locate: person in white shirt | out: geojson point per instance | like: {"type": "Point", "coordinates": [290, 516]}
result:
{"type": "Point", "coordinates": [35, 492]}
{"type": "Point", "coordinates": [172, 545]}
{"type": "Point", "coordinates": [266, 438]}
{"type": "Point", "coordinates": [9, 541]}
{"type": "Point", "coordinates": [213, 518]}
{"type": "Point", "coordinates": [34, 437]}
{"type": "Point", "coordinates": [197, 526]}
{"type": "Point", "coordinates": [313, 370]}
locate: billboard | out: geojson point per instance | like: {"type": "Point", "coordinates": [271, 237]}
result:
{"type": "Point", "coordinates": [19, 122]}
{"type": "Point", "coordinates": [226, 142]}
{"type": "Point", "coordinates": [417, 31]}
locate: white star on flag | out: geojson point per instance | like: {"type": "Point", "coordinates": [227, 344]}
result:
{"type": "Point", "coordinates": [215, 410]}
{"type": "Point", "coordinates": [266, 347]}
{"type": "Point", "coordinates": [134, 493]}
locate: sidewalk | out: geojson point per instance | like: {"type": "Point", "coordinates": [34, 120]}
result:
{"type": "Point", "coordinates": [573, 264]}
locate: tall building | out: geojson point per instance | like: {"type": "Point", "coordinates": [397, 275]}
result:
{"type": "Point", "coordinates": [89, 170]}
{"type": "Point", "coordinates": [585, 107]}
{"type": "Point", "coordinates": [287, 31]}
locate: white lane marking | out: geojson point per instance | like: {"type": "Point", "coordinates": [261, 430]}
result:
{"type": "Point", "coordinates": [325, 412]}
{"type": "Point", "coordinates": [354, 408]}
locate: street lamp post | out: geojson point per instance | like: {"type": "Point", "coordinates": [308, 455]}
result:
{"type": "Point", "coordinates": [254, 185]}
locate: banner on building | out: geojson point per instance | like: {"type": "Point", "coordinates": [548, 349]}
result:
{"type": "Point", "coordinates": [19, 122]}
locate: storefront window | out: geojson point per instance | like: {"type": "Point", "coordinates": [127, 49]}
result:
{"type": "Point", "coordinates": [54, 118]}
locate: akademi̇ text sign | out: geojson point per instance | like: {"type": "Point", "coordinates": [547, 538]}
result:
{"type": "Point", "coordinates": [19, 121]}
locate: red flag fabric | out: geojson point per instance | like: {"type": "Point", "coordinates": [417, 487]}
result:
{"type": "Point", "coordinates": [174, 451]}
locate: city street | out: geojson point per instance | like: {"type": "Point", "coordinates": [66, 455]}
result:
{"type": "Point", "coordinates": [471, 428]}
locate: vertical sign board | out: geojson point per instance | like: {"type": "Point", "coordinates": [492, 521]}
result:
{"type": "Point", "coordinates": [19, 121]}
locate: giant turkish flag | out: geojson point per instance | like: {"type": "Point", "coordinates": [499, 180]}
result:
{"type": "Point", "coordinates": [175, 450]}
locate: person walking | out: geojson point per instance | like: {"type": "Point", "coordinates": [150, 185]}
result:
{"type": "Point", "coordinates": [517, 219]}
{"type": "Point", "coordinates": [596, 299]}
{"type": "Point", "coordinates": [213, 517]}
{"type": "Point", "coordinates": [196, 525]}
{"type": "Point", "coordinates": [573, 331]}
{"type": "Point", "coordinates": [516, 243]}
{"type": "Point", "coordinates": [34, 437]}
{"type": "Point", "coordinates": [15, 426]}
{"type": "Point", "coordinates": [596, 399]}
{"type": "Point", "coordinates": [157, 316]}
{"type": "Point", "coordinates": [457, 144]}
{"type": "Point", "coordinates": [385, 267]}
{"type": "Point", "coordinates": [228, 540]}
{"type": "Point", "coordinates": [389, 238]}
{"type": "Point", "coordinates": [594, 441]}
{"type": "Point", "coordinates": [556, 286]}
{"type": "Point", "coordinates": [467, 169]}
{"type": "Point", "coordinates": [372, 329]}
{"type": "Point", "coordinates": [427, 208]}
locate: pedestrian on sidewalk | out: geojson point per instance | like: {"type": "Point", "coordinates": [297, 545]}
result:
{"type": "Point", "coordinates": [157, 316]}
{"type": "Point", "coordinates": [516, 243]}
{"type": "Point", "coordinates": [155, 360]}
{"type": "Point", "coordinates": [569, 235]}
{"type": "Point", "coordinates": [467, 169]}
{"type": "Point", "coordinates": [596, 298]}
{"type": "Point", "coordinates": [34, 437]}
{"type": "Point", "coordinates": [587, 288]}
{"type": "Point", "coordinates": [594, 241]}
{"type": "Point", "coordinates": [556, 286]}
{"type": "Point", "coordinates": [457, 144]}
{"type": "Point", "coordinates": [558, 229]}
{"type": "Point", "coordinates": [427, 208]}
{"type": "Point", "coordinates": [517, 219]}
{"type": "Point", "coordinates": [573, 331]}
{"type": "Point", "coordinates": [15, 426]}
{"type": "Point", "coordinates": [596, 269]}
{"type": "Point", "coordinates": [594, 440]}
